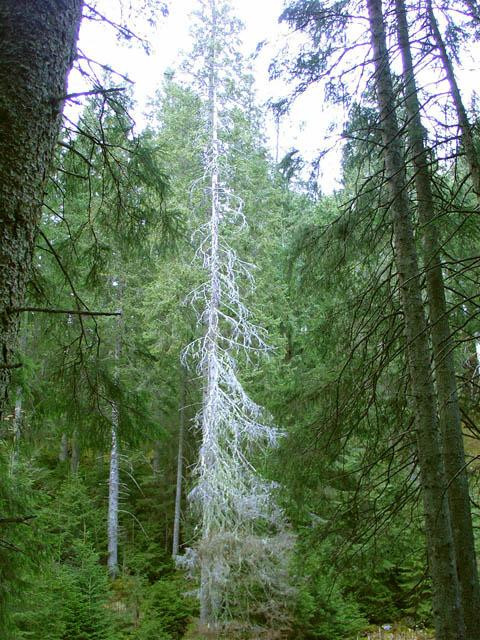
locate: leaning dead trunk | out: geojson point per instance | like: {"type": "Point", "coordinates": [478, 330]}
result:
{"type": "Point", "coordinates": [446, 595]}
{"type": "Point", "coordinates": [37, 47]}
{"type": "Point", "coordinates": [466, 130]}
{"type": "Point", "coordinates": [448, 406]}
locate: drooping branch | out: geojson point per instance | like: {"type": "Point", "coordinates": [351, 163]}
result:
{"type": "Point", "coordinates": [70, 312]}
{"type": "Point", "coordinates": [90, 61]}
{"type": "Point", "coordinates": [121, 29]}
{"type": "Point", "coordinates": [93, 92]}
{"type": "Point", "coordinates": [16, 520]}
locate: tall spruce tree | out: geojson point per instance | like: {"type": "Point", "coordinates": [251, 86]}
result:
{"type": "Point", "coordinates": [442, 346]}
{"type": "Point", "coordinates": [328, 25]}
{"type": "Point", "coordinates": [447, 602]}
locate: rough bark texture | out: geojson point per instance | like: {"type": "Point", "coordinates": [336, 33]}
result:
{"type": "Point", "coordinates": [37, 47]}
{"type": "Point", "coordinates": [446, 593]}
{"type": "Point", "coordinates": [462, 116]}
{"type": "Point", "coordinates": [448, 406]}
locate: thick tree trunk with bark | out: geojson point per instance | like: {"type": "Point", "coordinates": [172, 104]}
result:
{"type": "Point", "coordinates": [446, 593]}
{"type": "Point", "coordinates": [448, 406]}
{"type": "Point", "coordinates": [37, 48]}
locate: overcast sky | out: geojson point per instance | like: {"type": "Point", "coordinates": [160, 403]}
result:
{"type": "Point", "coordinates": [303, 129]}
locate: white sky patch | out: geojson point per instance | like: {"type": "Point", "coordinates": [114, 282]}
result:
{"type": "Point", "coordinates": [304, 128]}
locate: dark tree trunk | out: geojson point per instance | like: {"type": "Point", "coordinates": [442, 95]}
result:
{"type": "Point", "coordinates": [448, 406]}
{"type": "Point", "coordinates": [446, 593]}
{"type": "Point", "coordinates": [37, 48]}
{"type": "Point", "coordinates": [465, 127]}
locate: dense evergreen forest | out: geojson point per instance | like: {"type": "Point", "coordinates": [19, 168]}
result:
{"type": "Point", "coordinates": [233, 405]}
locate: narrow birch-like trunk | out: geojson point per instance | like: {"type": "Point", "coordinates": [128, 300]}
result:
{"type": "Point", "coordinates": [18, 415]}
{"type": "Point", "coordinates": [113, 492]}
{"type": "Point", "coordinates": [63, 454]}
{"type": "Point", "coordinates": [477, 353]}
{"type": "Point", "coordinates": [277, 136]}
{"type": "Point", "coordinates": [446, 594]}
{"type": "Point", "coordinates": [37, 48]}
{"type": "Point", "coordinates": [114, 475]}
{"type": "Point", "coordinates": [448, 406]}
{"type": "Point", "coordinates": [178, 492]}
{"type": "Point", "coordinates": [466, 129]}
{"type": "Point", "coordinates": [17, 428]}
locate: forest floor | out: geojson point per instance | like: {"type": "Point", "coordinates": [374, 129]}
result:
{"type": "Point", "coordinates": [194, 633]}
{"type": "Point", "coordinates": [408, 634]}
